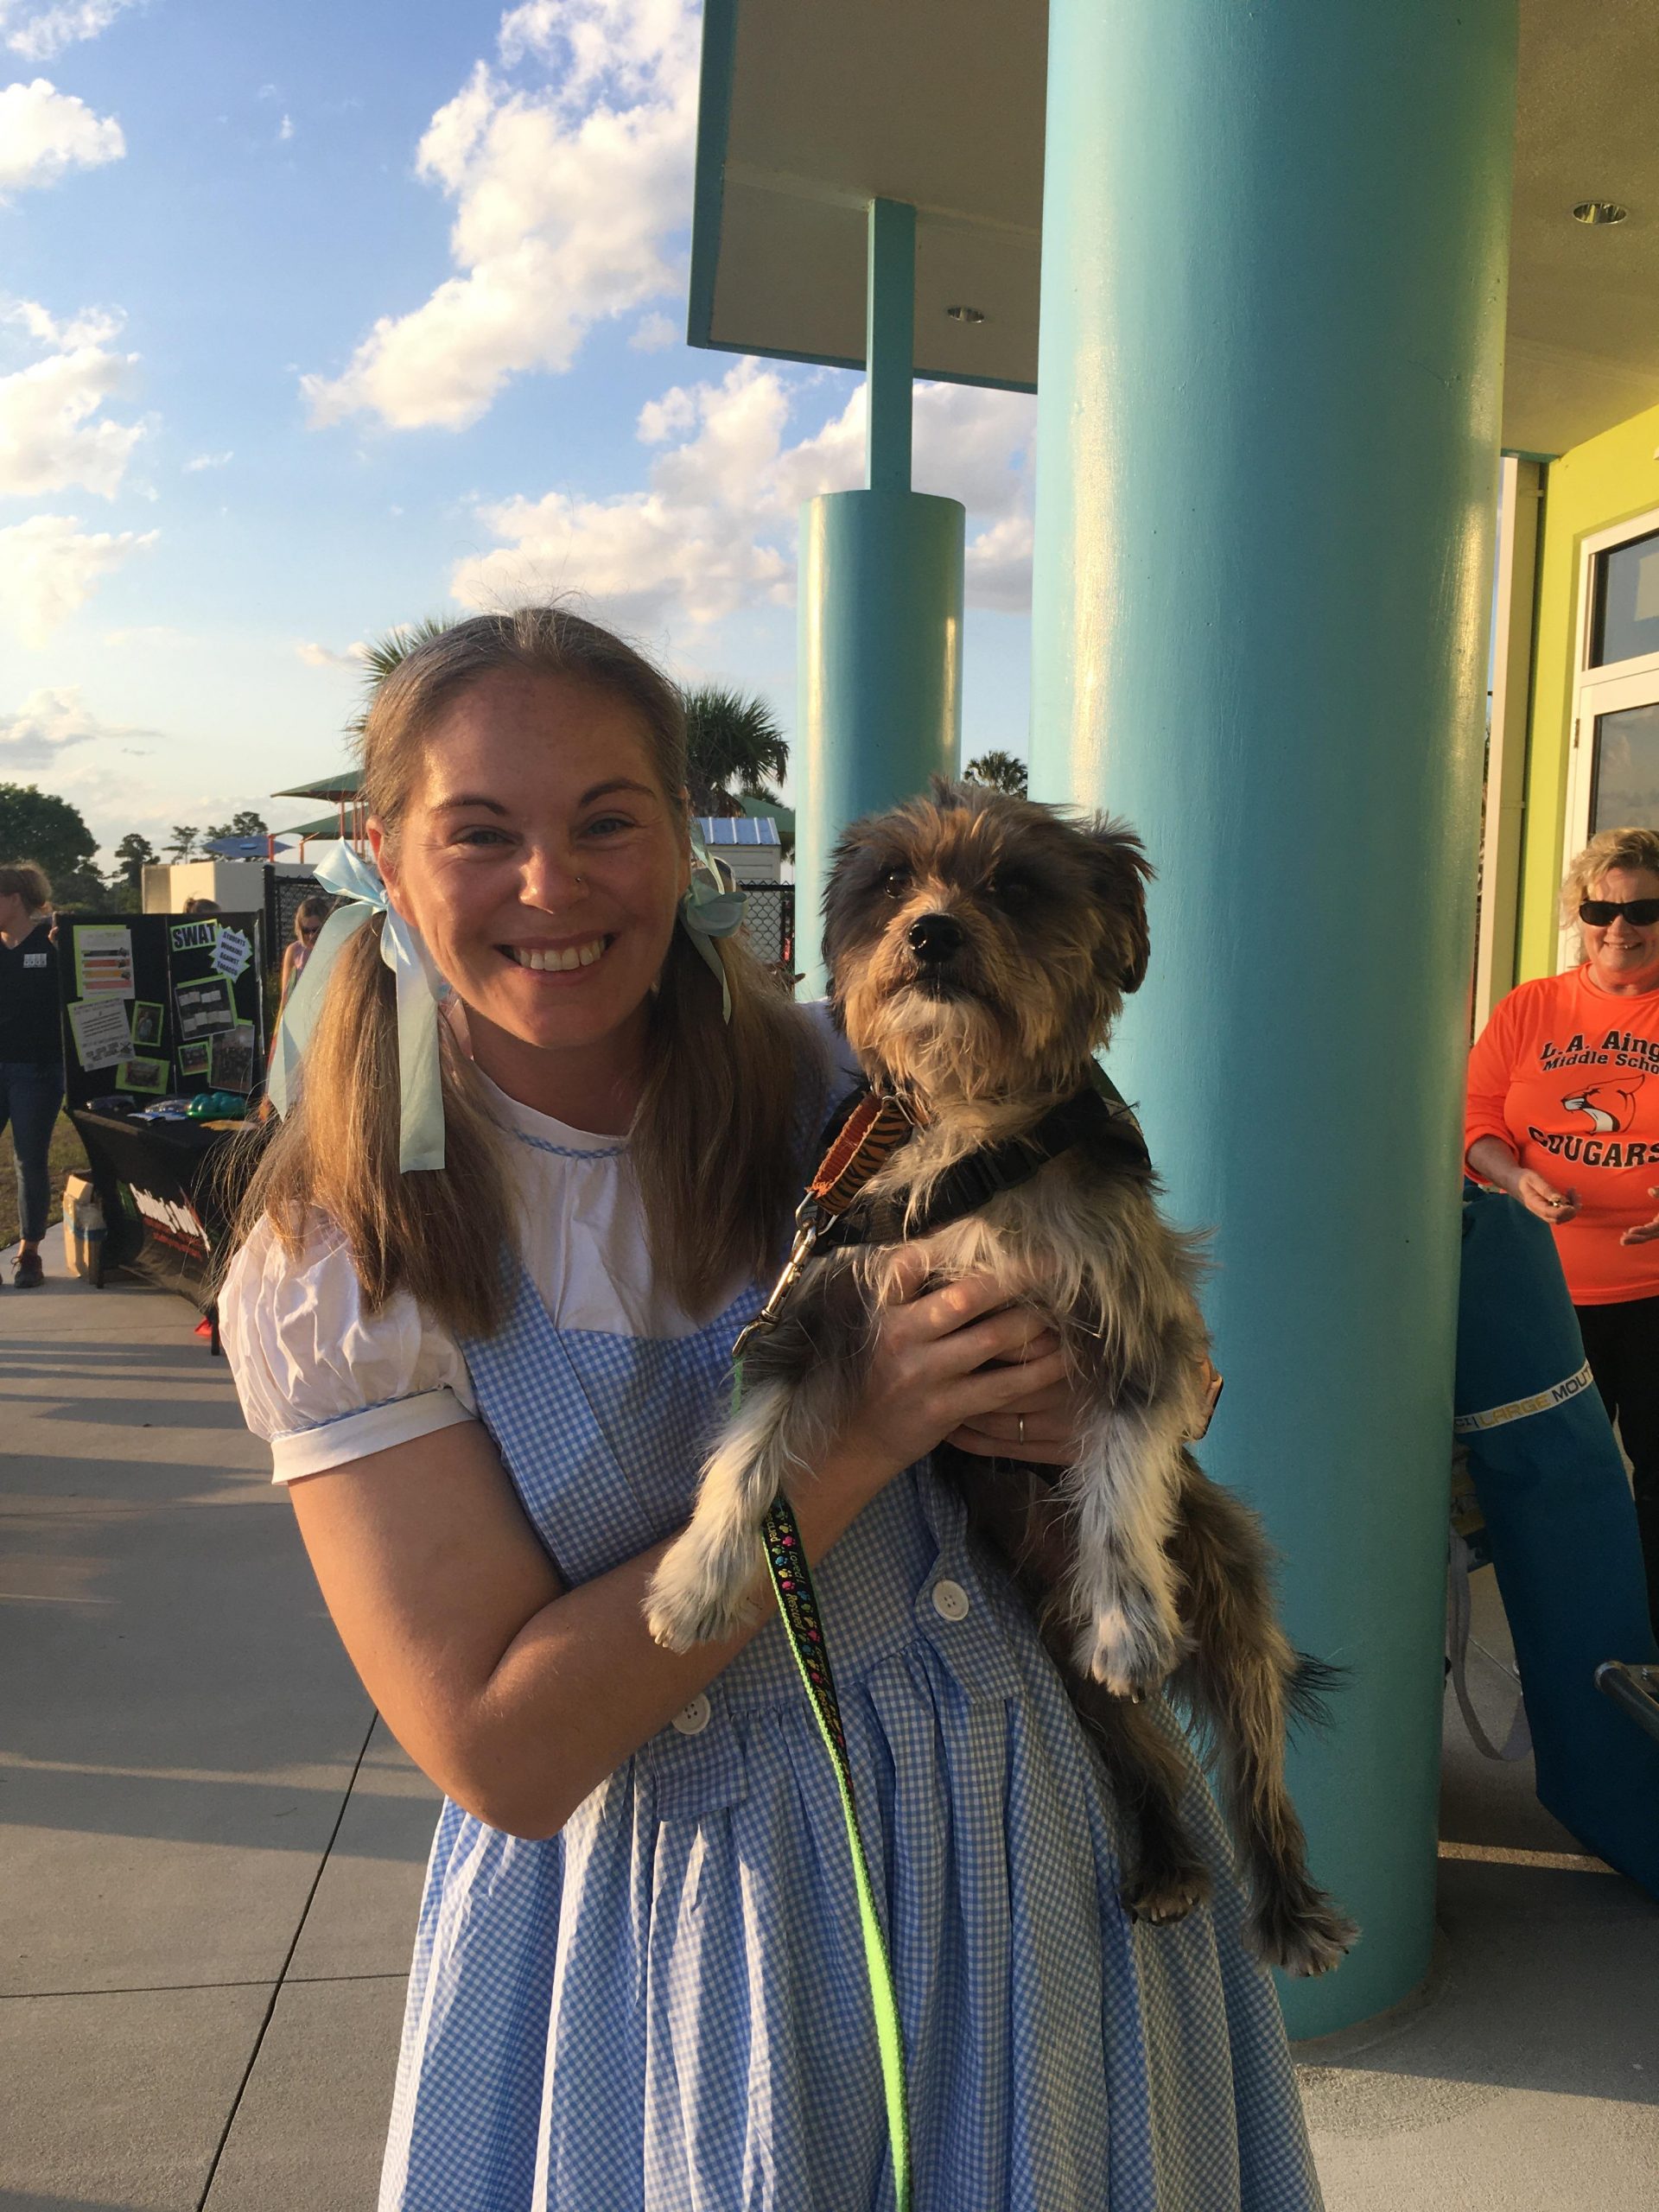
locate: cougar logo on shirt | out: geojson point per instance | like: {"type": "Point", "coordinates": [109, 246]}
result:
{"type": "Point", "coordinates": [1609, 1105]}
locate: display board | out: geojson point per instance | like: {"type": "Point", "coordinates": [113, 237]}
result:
{"type": "Point", "coordinates": [161, 1006]}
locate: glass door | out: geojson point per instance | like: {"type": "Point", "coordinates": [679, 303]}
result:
{"type": "Point", "coordinates": [1613, 768]}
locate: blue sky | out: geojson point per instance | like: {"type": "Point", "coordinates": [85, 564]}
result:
{"type": "Point", "coordinates": [317, 319]}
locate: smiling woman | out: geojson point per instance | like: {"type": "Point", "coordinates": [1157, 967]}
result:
{"type": "Point", "coordinates": [639, 1980]}
{"type": "Point", "coordinates": [523, 776]}
{"type": "Point", "coordinates": [1563, 1115]}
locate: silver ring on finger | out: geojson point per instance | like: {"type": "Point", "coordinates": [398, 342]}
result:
{"type": "Point", "coordinates": [1021, 1418]}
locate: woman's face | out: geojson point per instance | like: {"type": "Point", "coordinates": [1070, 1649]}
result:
{"type": "Point", "coordinates": [1620, 953]}
{"type": "Point", "coordinates": [543, 864]}
{"type": "Point", "coordinates": [14, 912]}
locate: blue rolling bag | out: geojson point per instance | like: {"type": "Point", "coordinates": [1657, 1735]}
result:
{"type": "Point", "coordinates": [1560, 1531]}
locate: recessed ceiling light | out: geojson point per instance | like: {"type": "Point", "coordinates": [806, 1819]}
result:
{"type": "Point", "coordinates": [965, 315]}
{"type": "Point", "coordinates": [1599, 211]}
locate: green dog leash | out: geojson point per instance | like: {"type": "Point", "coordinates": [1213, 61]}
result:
{"type": "Point", "coordinates": [792, 1577]}
{"type": "Point", "coordinates": [872, 1131]}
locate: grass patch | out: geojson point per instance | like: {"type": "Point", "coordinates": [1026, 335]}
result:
{"type": "Point", "coordinates": [67, 1156]}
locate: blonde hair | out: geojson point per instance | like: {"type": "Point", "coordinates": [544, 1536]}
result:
{"type": "Point", "coordinates": [27, 881]}
{"type": "Point", "coordinates": [713, 1143]}
{"type": "Point", "coordinates": [1632, 847]}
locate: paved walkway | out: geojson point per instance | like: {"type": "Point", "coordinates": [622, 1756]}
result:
{"type": "Point", "coordinates": [211, 1853]}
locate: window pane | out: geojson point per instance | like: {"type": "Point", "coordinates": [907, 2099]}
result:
{"type": "Point", "coordinates": [1627, 770]}
{"type": "Point", "coordinates": [1627, 602]}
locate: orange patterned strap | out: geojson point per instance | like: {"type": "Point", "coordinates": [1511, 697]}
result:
{"type": "Point", "coordinates": [872, 1133]}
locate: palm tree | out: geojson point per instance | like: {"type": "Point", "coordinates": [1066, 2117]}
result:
{"type": "Point", "coordinates": [732, 738]}
{"type": "Point", "coordinates": [1002, 772]}
{"type": "Point", "coordinates": [383, 654]}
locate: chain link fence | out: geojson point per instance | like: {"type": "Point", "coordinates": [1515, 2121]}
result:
{"type": "Point", "coordinates": [769, 924]}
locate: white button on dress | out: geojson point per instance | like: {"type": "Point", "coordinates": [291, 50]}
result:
{"type": "Point", "coordinates": [691, 1720]}
{"type": "Point", "coordinates": [950, 1601]}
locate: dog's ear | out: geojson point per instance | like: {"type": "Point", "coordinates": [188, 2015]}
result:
{"type": "Point", "coordinates": [1120, 870]}
{"type": "Point", "coordinates": [843, 900]}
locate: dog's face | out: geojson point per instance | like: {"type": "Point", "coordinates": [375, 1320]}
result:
{"type": "Point", "coordinates": [980, 946]}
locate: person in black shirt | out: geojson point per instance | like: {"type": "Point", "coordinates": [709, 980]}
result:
{"type": "Point", "coordinates": [31, 1049]}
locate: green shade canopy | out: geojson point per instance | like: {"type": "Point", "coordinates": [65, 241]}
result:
{"type": "Point", "coordinates": [344, 783]}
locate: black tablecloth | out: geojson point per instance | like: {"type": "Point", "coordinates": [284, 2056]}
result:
{"type": "Point", "coordinates": [167, 1190]}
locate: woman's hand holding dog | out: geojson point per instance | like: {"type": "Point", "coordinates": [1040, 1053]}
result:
{"type": "Point", "coordinates": [961, 1365]}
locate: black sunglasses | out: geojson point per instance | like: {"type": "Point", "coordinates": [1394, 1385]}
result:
{"type": "Point", "coordinates": [1640, 913]}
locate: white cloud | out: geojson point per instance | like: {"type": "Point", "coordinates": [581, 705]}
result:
{"type": "Point", "coordinates": [49, 568]}
{"type": "Point", "coordinates": [567, 197]}
{"type": "Point", "coordinates": [49, 440]}
{"type": "Point", "coordinates": [157, 636]}
{"type": "Point", "coordinates": [49, 723]}
{"type": "Point", "coordinates": [316, 655]}
{"type": "Point", "coordinates": [714, 531]}
{"type": "Point", "coordinates": [285, 131]}
{"type": "Point", "coordinates": [652, 332]}
{"type": "Point", "coordinates": [44, 133]}
{"type": "Point", "coordinates": [198, 461]}
{"type": "Point", "coordinates": [39, 33]}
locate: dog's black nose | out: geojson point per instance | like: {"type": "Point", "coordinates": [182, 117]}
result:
{"type": "Point", "coordinates": [934, 936]}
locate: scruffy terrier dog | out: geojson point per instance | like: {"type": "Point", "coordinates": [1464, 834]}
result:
{"type": "Point", "coordinates": [980, 948]}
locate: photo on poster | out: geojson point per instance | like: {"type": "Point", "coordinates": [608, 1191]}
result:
{"type": "Point", "coordinates": [204, 1008]}
{"type": "Point", "coordinates": [104, 960]}
{"type": "Point", "coordinates": [232, 1066]}
{"type": "Point", "coordinates": [101, 1031]}
{"type": "Point", "coordinates": [149, 1024]}
{"type": "Point", "coordinates": [194, 1059]}
{"type": "Point", "coordinates": [147, 1076]}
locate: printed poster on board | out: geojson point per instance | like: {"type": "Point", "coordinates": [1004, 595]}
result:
{"type": "Point", "coordinates": [103, 961]}
{"type": "Point", "coordinates": [102, 1033]}
{"type": "Point", "coordinates": [204, 1008]}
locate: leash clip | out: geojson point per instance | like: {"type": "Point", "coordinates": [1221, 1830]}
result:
{"type": "Point", "coordinates": [808, 1227]}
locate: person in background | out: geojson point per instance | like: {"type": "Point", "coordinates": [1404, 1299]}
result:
{"type": "Point", "coordinates": [31, 1050]}
{"type": "Point", "coordinates": [309, 916]}
{"type": "Point", "coordinates": [201, 906]}
{"type": "Point", "coordinates": [1563, 1114]}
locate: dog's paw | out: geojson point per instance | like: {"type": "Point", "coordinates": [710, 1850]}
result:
{"type": "Point", "coordinates": [697, 1598]}
{"type": "Point", "coordinates": [1164, 1895]}
{"type": "Point", "coordinates": [1300, 1930]}
{"type": "Point", "coordinates": [1132, 1654]}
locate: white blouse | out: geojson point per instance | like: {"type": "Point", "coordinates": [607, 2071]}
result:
{"type": "Point", "coordinates": [325, 1382]}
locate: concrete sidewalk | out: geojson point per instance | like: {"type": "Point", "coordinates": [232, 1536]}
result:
{"type": "Point", "coordinates": [211, 1857]}
{"type": "Point", "coordinates": [210, 1853]}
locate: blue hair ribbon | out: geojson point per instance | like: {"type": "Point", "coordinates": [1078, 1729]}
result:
{"type": "Point", "coordinates": [709, 909]}
{"type": "Point", "coordinates": [421, 991]}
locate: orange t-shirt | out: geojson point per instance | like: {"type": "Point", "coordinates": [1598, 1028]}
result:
{"type": "Point", "coordinates": [1566, 1075]}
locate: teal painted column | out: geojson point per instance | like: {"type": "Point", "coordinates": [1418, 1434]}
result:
{"type": "Point", "coordinates": [1274, 257]}
{"type": "Point", "coordinates": [880, 588]}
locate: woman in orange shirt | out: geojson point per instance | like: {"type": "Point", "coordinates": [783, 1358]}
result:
{"type": "Point", "coordinates": [1563, 1114]}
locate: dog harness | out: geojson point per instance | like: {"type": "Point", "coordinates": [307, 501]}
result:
{"type": "Point", "coordinates": [861, 1137]}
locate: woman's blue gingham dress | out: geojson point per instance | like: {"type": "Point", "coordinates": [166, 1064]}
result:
{"type": "Point", "coordinates": [664, 2008]}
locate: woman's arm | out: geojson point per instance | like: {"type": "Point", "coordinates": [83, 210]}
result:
{"type": "Point", "coordinates": [518, 1697]}
{"type": "Point", "coordinates": [1493, 1162]}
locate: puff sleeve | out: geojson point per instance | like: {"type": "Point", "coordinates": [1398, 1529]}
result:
{"type": "Point", "coordinates": [321, 1379]}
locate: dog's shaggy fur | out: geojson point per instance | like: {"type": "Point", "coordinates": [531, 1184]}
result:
{"type": "Point", "coordinates": [980, 948]}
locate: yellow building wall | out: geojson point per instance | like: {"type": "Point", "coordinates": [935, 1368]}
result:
{"type": "Point", "coordinates": [1607, 479]}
